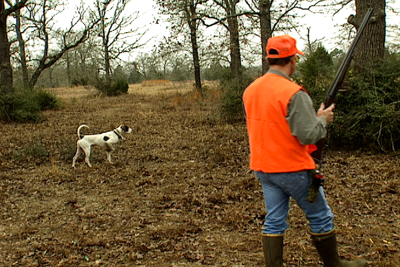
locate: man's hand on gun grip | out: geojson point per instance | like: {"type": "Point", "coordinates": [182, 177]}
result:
{"type": "Point", "coordinates": [326, 112]}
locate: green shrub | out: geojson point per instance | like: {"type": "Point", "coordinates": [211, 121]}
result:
{"type": "Point", "coordinates": [368, 113]}
{"type": "Point", "coordinates": [46, 100]}
{"type": "Point", "coordinates": [115, 88]}
{"type": "Point", "coordinates": [21, 107]}
{"type": "Point", "coordinates": [316, 74]}
{"type": "Point", "coordinates": [80, 82]}
{"type": "Point", "coordinates": [26, 105]}
{"type": "Point", "coordinates": [120, 86]}
{"type": "Point", "coordinates": [231, 105]}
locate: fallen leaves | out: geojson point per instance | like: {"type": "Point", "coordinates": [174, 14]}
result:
{"type": "Point", "coordinates": [179, 194]}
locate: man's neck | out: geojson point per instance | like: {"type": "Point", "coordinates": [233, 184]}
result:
{"type": "Point", "coordinates": [284, 69]}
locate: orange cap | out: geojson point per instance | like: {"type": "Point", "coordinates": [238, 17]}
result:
{"type": "Point", "coordinates": [284, 45]}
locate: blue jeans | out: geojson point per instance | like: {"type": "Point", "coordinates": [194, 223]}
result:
{"type": "Point", "coordinates": [278, 188]}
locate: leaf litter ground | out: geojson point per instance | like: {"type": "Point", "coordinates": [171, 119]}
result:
{"type": "Point", "coordinates": [178, 194]}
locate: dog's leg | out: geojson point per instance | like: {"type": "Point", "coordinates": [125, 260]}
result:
{"type": "Point", "coordinates": [87, 158]}
{"type": "Point", "coordinates": [86, 147]}
{"type": "Point", "coordinates": [109, 157]}
{"type": "Point", "coordinates": [78, 150]}
{"type": "Point", "coordinates": [109, 149]}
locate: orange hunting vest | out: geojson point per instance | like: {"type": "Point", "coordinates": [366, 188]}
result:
{"type": "Point", "coordinates": [273, 148]}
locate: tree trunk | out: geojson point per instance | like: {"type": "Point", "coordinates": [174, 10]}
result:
{"type": "Point", "coordinates": [51, 84]}
{"type": "Point", "coordinates": [107, 66]}
{"type": "Point", "coordinates": [195, 49]}
{"type": "Point", "coordinates": [6, 71]}
{"type": "Point", "coordinates": [22, 53]}
{"type": "Point", "coordinates": [106, 48]}
{"type": "Point", "coordinates": [265, 30]}
{"type": "Point", "coordinates": [69, 70]}
{"type": "Point", "coordinates": [234, 45]}
{"type": "Point", "coordinates": [371, 47]}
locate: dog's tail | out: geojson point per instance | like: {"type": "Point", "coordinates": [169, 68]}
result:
{"type": "Point", "coordinates": [79, 130]}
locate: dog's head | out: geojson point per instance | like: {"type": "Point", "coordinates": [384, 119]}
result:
{"type": "Point", "coordinates": [125, 129]}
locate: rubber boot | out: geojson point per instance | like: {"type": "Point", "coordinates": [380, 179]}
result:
{"type": "Point", "coordinates": [327, 248]}
{"type": "Point", "coordinates": [273, 250]}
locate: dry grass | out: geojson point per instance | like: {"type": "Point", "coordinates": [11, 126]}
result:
{"type": "Point", "coordinates": [178, 194]}
{"type": "Point", "coordinates": [156, 83]}
{"type": "Point", "coordinates": [161, 87]}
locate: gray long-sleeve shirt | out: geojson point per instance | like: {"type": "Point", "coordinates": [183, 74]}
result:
{"type": "Point", "coordinates": [302, 118]}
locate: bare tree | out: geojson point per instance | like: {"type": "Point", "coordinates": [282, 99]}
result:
{"type": "Point", "coordinates": [311, 44]}
{"type": "Point", "coordinates": [35, 24]}
{"type": "Point", "coordinates": [265, 30]}
{"type": "Point", "coordinates": [273, 16]}
{"type": "Point", "coordinates": [371, 48]}
{"type": "Point", "coordinates": [230, 7]}
{"type": "Point", "coordinates": [185, 12]}
{"type": "Point", "coordinates": [69, 39]}
{"type": "Point", "coordinates": [83, 63]}
{"type": "Point", "coordinates": [21, 47]}
{"type": "Point", "coordinates": [229, 19]}
{"type": "Point", "coordinates": [114, 31]}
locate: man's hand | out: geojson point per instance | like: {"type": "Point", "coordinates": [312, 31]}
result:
{"type": "Point", "coordinates": [326, 112]}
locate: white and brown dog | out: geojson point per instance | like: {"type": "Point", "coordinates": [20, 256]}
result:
{"type": "Point", "coordinates": [104, 140]}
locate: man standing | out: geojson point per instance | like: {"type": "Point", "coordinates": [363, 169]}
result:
{"type": "Point", "coordinates": [281, 124]}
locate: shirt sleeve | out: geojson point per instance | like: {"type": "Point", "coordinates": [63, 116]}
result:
{"type": "Point", "coordinates": [303, 120]}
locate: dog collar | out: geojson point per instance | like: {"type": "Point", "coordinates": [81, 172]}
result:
{"type": "Point", "coordinates": [119, 136]}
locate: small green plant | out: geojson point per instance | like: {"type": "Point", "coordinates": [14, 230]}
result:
{"type": "Point", "coordinates": [36, 150]}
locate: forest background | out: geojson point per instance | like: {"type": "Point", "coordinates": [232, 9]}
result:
{"type": "Point", "coordinates": [107, 44]}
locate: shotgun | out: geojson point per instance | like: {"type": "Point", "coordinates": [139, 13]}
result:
{"type": "Point", "coordinates": [317, 178]}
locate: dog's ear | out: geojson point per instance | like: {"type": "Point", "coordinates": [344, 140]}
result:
{"type": "Point", "coordinates": [124, 128]}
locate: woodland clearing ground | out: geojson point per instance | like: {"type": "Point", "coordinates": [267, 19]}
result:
{"type": "Point", "coordinates": [178, 194]}
{"type": "Point", "coordinates": [152, 88]}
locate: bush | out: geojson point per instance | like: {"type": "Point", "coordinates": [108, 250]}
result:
{"type": "Point", "coordinates": [46, 100]}
{"type": "Point", "coordinates": [80, 82]}
{"type": "Point", "coordinates": [368, 114]}
{"type": "Point", "coordinates": [231, 105]}
{"type": "Point", "coordinates": [20, 107]}
{"type": "Point", "coordinates": [116, 87]}
{"type": "Point", "coordinates": [316, 74]}
{"type": "Point", "coordinates": [26, 105]}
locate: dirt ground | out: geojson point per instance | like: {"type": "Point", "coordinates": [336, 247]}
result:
{"type": "Point", "coordinates": [178, 194]}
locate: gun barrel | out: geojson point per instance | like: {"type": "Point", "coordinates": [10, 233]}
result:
{"type": "Point", "coordinates": [338, 82]}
